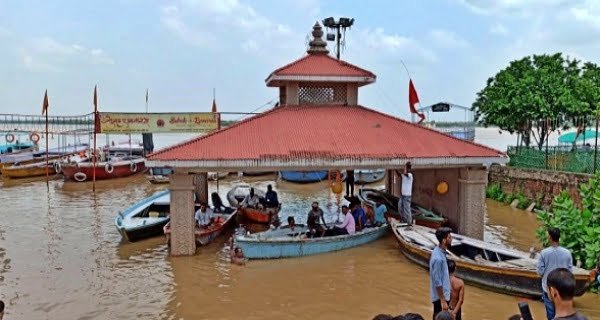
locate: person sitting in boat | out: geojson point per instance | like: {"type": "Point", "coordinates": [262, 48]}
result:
{"type": "Point", "coordinates": [380, 212]}
{"type": "Point", "coordinates": [271, 200]}
{"type": "Point", "coordinates": [218, 205]}
{"type": "Point", "coordinates": [312, 222]}
{"type": "Point", "coordinates": [251, 200]}
{"type": "Point", "coordinates": [347, 227]}
{"type": "Point", "coordinates": [360, 217]}
{"type": "Point", "coordinates": [204, 216]}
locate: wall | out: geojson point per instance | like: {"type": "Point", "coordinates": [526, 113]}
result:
{"type": "Point", "coordinates": [536, 184]}
{"type": "Point", "coordinates": [424, 194]}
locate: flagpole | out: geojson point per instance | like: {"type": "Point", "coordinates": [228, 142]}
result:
{"type": "Point", "coordinates": [95, 130]}
{"type": "Point", "coordinates": [412, 115]}
{"type": "Point", "coordinates": [46, 103]}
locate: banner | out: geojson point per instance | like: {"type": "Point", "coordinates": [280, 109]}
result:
{"type": "Point", "coordinates": [118, 122]}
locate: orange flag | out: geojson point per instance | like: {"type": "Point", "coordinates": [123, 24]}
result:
{"type": "Point", "coordinates": [45, 104]}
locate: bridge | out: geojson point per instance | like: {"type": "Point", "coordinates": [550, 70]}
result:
{"type": "Point", "coordinates": [56, 124]}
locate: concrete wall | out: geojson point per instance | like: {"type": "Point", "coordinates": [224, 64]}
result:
{"type": "Point", "coordinates": [424, 192]}
{"type": "Point", "coordinates": [536, 184]}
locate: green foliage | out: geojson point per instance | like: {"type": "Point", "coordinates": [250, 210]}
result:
{"type": "Point", "coordinates": [494, 192]}
{"type": "Point", "coordinates": [580, 227]}
{"type": "Point", "coordinates": [535, 88]}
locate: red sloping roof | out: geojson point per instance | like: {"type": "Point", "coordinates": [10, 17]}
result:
{"type": "Point", "coordinates": [329, 131]}
{"type": "Point", "coordinates": [321, 65]}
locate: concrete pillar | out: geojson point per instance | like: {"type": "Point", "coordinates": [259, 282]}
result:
{"type": "Point", "coordinates": [201, 187]}
{"type": "Point", "coordinates": [183, 242]}
{"type": "Point", "coordinates": [472, 208]}
{"type": "Point", "coordinates": [389, 181]}
{"type": "Point", "coordinates": [352, 94]}
{"type": "Point", "coordinates": [292, 93]}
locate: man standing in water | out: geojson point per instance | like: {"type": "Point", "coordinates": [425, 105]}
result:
{"type": "Point", "coordinates": [439, 276]}
{"type": "Point", "coordinates": [457, 292]}
{"type": "Point", "coordinates": [551, 258]}
{"type": "Point", "coordinates": [406, 193]}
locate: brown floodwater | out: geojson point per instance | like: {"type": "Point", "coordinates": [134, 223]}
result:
{"type": "Point", "coordinates": [62, 258]}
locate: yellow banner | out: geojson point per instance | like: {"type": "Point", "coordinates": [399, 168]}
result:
{"type": "Point", "coordinates": [114, 122]}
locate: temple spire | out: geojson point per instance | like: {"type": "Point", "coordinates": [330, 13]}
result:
{"type": "Point", "coordinates": [317, 45]}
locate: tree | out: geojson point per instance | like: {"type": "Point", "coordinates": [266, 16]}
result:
{"type": "Point", "coordinates": [527, 93]}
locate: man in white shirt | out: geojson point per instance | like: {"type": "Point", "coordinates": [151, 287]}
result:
{"type": "Point", "coordinates": [204, 216]}
{"type": "Point", "coordinates": [251, 200]}
{"type": "Point", "coordinates": [406, 194]}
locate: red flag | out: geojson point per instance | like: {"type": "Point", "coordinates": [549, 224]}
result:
{"type": "Point", "coordinates": [413, 101]}
{"type": "Point", "coordinates": [45, 104]}
{"type": "Point", "coordinates": [214, 106]}
{"type": "Point", "coordinates": [95, 100]}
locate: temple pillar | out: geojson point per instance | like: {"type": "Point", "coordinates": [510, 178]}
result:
{"type": "Point", "coordinates": [352, 94]}
{"type": "Point", "coordinates": [292, 93]}
{"type": "Point", "coordinates": [471, 204]}
{"type": "Point", "coordinates": [389, 181]}
{"type": "Point", "coordinates": [201, 187]}
{"type": "Point", "coordinates": [183, 241]}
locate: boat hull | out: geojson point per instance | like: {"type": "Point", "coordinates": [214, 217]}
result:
{"type": "Point", "coordinates": [149, 231]}
{"type": "Point", "coordinates": [84, 172]}
{"type": "Point", "coordinates": [254, 215]}
{"type": "Point", "coordinates": [517, 282]}
{"type": "Point", "coordinates": [158, 179]}
{"type": "Point", "coordinates": [17, 172]}
{"type": "Point", "coordinates": [304, 176]}
{"type": "Point", "coordinates": [256, 248]}
{"type": "Point", "coordinates": [206, 237]}
{"type": "Point", "coordinates": [368, 176]}
{"type": "Point", "coordinates": [391, 203]}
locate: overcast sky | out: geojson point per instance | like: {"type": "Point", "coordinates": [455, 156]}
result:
{"type": "Point", "coordinates": [181, 49]}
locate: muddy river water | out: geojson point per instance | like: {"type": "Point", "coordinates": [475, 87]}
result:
{"type": "Point", "coordinates": [62, 258]}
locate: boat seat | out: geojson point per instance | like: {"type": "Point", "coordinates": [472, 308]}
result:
{"type": "Point", "coordinates": [153, 214]}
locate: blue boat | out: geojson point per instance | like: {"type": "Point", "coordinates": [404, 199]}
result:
{"type": "Point", "coordinates": [145, 218]}
{"type": "Point", "coordinates": [15, 147]}
{"type": "Point", "coordinates": [304, 176]}
{"type": "Point", "coordinates": [285, 243]}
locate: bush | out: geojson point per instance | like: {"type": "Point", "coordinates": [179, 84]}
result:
{"type": "Point", "coordinates": [579, 227]}
{"type": "Point", "coordinates": [494, 192]}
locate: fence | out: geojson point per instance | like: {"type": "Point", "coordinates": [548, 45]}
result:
{"type": "Point", "coordinates": [557, 158]}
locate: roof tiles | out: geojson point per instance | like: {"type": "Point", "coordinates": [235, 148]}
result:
{"type": "Point", "coordinates": [325, 132]}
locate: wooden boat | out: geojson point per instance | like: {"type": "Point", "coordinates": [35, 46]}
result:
{"type": "Point", "coordinates": [262, 216]}
{"type": "Point", "coordinates": [257, 173]}
{"type": "Point", "coordinates": [222, 221]}
{"type": "Point", "coordinates": [422, 216]}
{"type": "Point", "coordinates": [304, 176]}
{"type": "Point", "coordinates": [368, 176]}
{"type": "Point", "coordinates": [217, 175]}
{"type": "Point", "coordinates": [236, 195]}
{"type": "Point", "coordinates": [115, 168]}
{"type": "Point", "coordinates": [145, 218]}
{"type": "Point", "coordinates": [32, 156]}
{"type": "Point", "coordinates": [159, 175]}
{"type": "Point", "coordinates": [491, 266]}
{"type": "Point", "coordinates": [285, 243]}
{"type": "Point", "coordinates": [35, 169]}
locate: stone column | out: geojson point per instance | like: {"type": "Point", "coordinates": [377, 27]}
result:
{"type": "Point", "coordinates": [201, 187]}
{"type": "Point", "coordinates": [183, 242]}
{"type": "Point", "coordinates": [472, 183]}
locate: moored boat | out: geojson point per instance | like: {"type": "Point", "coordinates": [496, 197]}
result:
{"type": "Point", "coordinates": [368, 176]}
{"type": "Point", "coordinates": [146, 218]}
{"type": "Point", "coordinates": [222, 221]}
{"type": "Point", "coordinates": [159, 175]}
{"type": "Point", "coordinates": [257, 173]}
{"type": "Point", "coordinates": [286, 243]}
{"type": "Point", "coordinates": [491, 266]}
{"type": "Point", "coordinates": [217, 175]}
{"type": "Point", "coordinates": [263, 216]}
{"type": "Point", "coordinates": [304, 176]}
{"type": "Point", "coordinates": [422, 216]}
{"type": "Point", "coordinates": [115, 168]}
{"type": "Point", "coordinates": [29, 170]}
{"type": "Point", "coordinates": [236, 195]}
